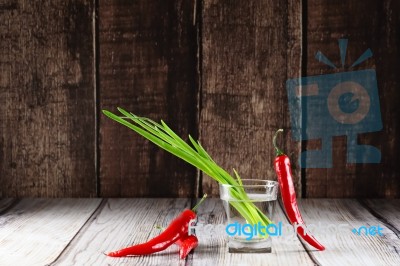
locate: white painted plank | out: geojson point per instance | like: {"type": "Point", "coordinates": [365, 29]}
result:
{"type": "Point", "coordinates": [343, 247]}
{"type": "Point", "coordinates": [35, 231]}
{"type": "Point", "coordinates": [212, 248]}
{"type": "Point", "coordinates": [121, 223]}
{"type": "Point", "coordinates": [388, 209]}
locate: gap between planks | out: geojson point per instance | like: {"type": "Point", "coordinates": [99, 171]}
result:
{"type": "Point", "coordinates": [46, 227]}
{"type": "Point", "coordinates": [378, 208]}
{"type": "Point", "coordinates": [119, 219]}
{"type": "Point", "coordinates": [121, 223]}
{"type": "Point", "coordinates": [82, 229]}
{"type": "Point", "coordinates": [7, 204]}
{"type": "Point", "coordinates": [212, 248]}
{"type": "Point", "coordinates": [345, 247]}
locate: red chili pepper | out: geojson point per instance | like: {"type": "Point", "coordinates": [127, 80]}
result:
{"type": "Point", "coordinates": [284, 172]}
{"type": "Point", "coordinates": [187, 244]}
{"type": "Point", "coordinates": [176, 230]}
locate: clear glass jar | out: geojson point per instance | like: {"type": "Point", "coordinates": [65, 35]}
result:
{"type": "Point", "coordinates": [249, 220]}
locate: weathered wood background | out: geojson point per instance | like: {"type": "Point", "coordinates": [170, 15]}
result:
{"type": "Point", "coordinates": [214, 69]}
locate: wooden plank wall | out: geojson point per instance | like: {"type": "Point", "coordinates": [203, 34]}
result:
{"type": "Point", "coordinates": [212, 68]}
{"type": "Point", "coordinates": [248, 50]}
{"type": "Point", "coordinates": [47, 108]}
{"type": "Point", "coordinates": [148, 66]}
{"type": "Point", "coordinates": [373, 24]}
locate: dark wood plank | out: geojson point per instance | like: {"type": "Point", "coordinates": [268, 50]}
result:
{"type": "Point", "coordinates": [249, 49]}
{"type": "Point", "coordinates": [80, 230]}
{"type": "Point", "coordinates": [47, 110]}
{"type": "Point", "coordinates": [370, 24]}
{"type": "Point", "coordinates": [147, 66]}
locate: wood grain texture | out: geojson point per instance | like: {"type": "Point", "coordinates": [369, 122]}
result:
{"type": "Point", "coordinates": [35, 232]}
{"type": "Point", "coordinates": [212, 248]}
{"type": "Point", "coordinates": [343, 247]}
{"type": "Point", "coordinates": [78, 231]}
{"type": "Point", "coordinates": [370, 24]}
{"type": "Point", "coordinates": [47, 113]}
{"type": "Point", "coordinates": [212, 68]}
{"type": "Point", "coordinates": [249, 48]}
{"type": "Point", "coordinates": [147, 66]}
{"type": "Point", "coordinates": [121, 223]}
{"type": "Point", "coordinates": [6, 204]}
{"type": "Point", "coordinates": [387, 211]}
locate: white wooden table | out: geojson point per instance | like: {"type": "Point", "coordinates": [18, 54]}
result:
{"type": "Point", "coordinates": [78, 231]}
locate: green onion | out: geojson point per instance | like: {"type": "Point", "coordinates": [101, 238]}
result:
{"type": "Point", "coordinates": [196, 155]}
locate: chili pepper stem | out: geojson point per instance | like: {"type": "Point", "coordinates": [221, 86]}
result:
{"type": "Point", "coordinates": [159, 227]}
{"type": "Point", "coordinates": [199, 203]}
{"type": "Point", "coordinates": [277, 150]}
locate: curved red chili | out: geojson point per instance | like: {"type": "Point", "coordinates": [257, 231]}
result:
{"type": "Point", "coordinates": [284, 172]}
{"type": "Point", "coordinates": [176, 230]}
{"type": "Point", "coordinates": [187, 244]}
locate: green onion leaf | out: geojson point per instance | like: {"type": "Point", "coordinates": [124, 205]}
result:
{"type": "Point", "coordinates": [164, 137]}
